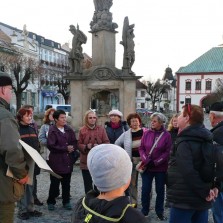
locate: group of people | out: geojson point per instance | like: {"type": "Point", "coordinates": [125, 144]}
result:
{"type": "Point", "coordinates": [109, 156]}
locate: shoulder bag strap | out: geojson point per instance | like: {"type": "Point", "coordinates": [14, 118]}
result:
{"type": "Point", "coordinates": [154, 145]}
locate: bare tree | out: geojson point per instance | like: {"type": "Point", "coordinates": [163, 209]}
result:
{"type": "Point", "coordinates": [64, 89]}
{"type": "Point", "coordinates": [156, 90]}
{"type": "Point", "coordinates": [22, 69]}
{"type": "Point", "coordinates": [219, 88]}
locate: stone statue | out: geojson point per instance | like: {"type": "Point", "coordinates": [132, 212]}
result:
{"type": "Point", "coordinates": [129, 45]}
{"type": "Point", "coordinates": [102, 18]}
{"type": "Point", "coordinates": [101, 5]}
{"type": "Point", "coordinates": [25, 34]}
{"type": "Point", "coordinates": [76, 56]}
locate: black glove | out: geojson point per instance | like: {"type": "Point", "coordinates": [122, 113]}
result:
{"type": "Point", "coordinates": [151, 164]}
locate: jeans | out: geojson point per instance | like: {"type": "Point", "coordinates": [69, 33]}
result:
{"type": "Point", "coordinates": [188, 216]}
{"type": "Point", "coordinates": [54, 188]}
{"type": "Point", "coordinates": [147, 180]}
{"type": "Point", "coordinates": [217, 209]}
{"type": "Point", "coordinates": [26, 204]}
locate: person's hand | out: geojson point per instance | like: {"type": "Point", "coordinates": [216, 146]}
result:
{"type": "Point", "coordinates": [212, 195]}
{"type": "Point", "coordinates": [215, 191]}
{"type": "Point", "coordinates": [151, 164]}
{"type": "Point", "coordinates": [89, 146]}
{"type": "Point", "coordinates": [70, 149]}
{"type": "Point", "coordinates": [23, 180]}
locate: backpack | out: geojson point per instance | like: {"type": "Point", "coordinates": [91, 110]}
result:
{"type": "Point", "coordinates": [212, 159]}
{"type": "Point", "coordinates": [83, 214]}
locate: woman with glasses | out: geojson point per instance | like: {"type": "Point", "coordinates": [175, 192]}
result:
{"type": "Point", "coordinates": [188, 195]}
{"type": "Point", "coordinates": [90, 135]}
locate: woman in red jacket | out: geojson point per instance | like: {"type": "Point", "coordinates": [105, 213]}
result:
{"type": "Point", "coordinates": [90, 135]}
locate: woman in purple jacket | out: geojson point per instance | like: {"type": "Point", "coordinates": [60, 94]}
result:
{"type": "Point", "coordinates": [156, 163]}
{"type": "Point", "coordinates": [61, 142]}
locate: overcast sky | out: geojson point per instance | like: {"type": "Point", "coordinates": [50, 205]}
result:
{"type": "Point", "coordinates": [167, 32]}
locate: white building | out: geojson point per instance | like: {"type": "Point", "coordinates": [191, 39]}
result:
{"type": "Point", "coordinates": [198, 79]}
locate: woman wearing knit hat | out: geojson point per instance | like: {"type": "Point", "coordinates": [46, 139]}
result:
{"type": "Point", "coordinates": [115, 127]}
{"type": "Point", "coordinates": [110, 168]}
{"type": "Point", "coordinates": [90, 135]}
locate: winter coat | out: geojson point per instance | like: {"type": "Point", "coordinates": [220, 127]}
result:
{"type": "Point", "coordinates": [125, 141]}
{"type": "Point", "coordinates": [43, 134]}
{"type": "Point", "coordinates": [29, 136]}
{"type": "Point", "coordinates": [11, 155]}
{"type": "Point", "coordinates": [217, 137]}
{"type": "Point", "coordinates": [185, 188]}
{"type": "Point", "coordinates": [113, 134]}
{"type": "Point", "coordinates": [160, 154]}
{"type": "Point", "coordinates": [60, 160]}
{"type": "Point", "coordinates": [173, 132]}
{"type": "Point", "coordinates": [87, 135]}
{"type": "Point", "coordinates": [107, 209]}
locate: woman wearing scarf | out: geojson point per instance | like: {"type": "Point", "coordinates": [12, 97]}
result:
{"type": "Point", "coordinates": [90, 135]}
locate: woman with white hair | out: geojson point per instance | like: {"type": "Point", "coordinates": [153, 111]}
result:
{"type": "Point", "coordinates": [154, 152]}
{"type": "Point", "coordinates": [115, 127]}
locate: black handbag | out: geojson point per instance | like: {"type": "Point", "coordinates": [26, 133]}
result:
{"type": "Point", "coordinates": [75, 156]}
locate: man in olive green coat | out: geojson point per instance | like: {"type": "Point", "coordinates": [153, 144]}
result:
{"type": "Point", "coordinates": [11, 155]}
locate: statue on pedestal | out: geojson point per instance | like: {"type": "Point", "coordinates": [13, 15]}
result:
{"type": "Point", "coordinates": [129, 45]}
{"type": "Point", "coordinates": [102, 18]}
{"type": "Point", "coordinates": [76, 56]}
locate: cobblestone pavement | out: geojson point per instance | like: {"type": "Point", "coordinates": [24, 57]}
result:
{"type": "Point", "coordinates": [60, 215]}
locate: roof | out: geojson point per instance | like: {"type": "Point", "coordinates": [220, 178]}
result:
{"type": "Point", "coordinates": [140, 85]}
{"type": "Point", "coordinates": [209, 62]}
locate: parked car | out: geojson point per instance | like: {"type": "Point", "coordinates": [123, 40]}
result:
{"type": "Point", "coordinates": [66, 108]}
{"type": "Point", "coordinates": [144, 111]}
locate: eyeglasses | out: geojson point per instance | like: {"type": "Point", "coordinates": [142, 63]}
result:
{"type": "Point", "coordinates": [91, 117]}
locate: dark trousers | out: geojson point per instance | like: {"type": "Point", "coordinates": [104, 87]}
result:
{"type": "Point", "coordinates": [88, 183]}
{"type": "Point", "coordinates": [147, 180]}
{"type": "Point", "coordinates": [188, 216]}
{"type": "Point", "coordinates": [54, 188]}
{"type": "Point", "coordinates": [34, 187]}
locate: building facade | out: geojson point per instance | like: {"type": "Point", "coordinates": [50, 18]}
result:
{"type": "Point", "coordinates": [198, 79]}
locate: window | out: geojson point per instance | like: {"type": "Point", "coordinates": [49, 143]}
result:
{"type": "Point", "coordinates": [187, 100]}
{"type": "Point", "coordinates": [198, 85]}
{"type": "Point", "coordinates": [33, 99]}
{"type": "Point", "coordinates": [208, 84]}
{"type": "Point", "coordinates": [142, 105]}
{"type": "Point", "coordinates": [42, 40]}
{"type": "Point", "coordinates": [45, 55]}
{"type": "Point", "coordinates": [143, 93]}
{"type": "Point", "coordinates": [165, 95]}
{"type": "Point", "coordinates": [188, 85]}
{"type": "Point", "coordinates": [50, 56]}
